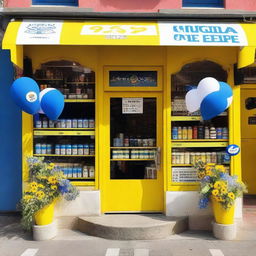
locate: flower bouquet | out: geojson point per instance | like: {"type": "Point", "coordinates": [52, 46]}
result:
{"type": "Point", "coordinates": [46, 184]}
{"type": "Point", "coordinates": [219, 187]}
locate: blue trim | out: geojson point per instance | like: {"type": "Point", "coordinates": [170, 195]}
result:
{"type": "Point", "coordinates": [202, 3]}
{"type": "Point", "coordinates": [55, 2]}
{"type": "Point", "coordinates": [10, 134]}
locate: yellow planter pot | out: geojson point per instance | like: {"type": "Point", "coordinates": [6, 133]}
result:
{"type": "Point", "coordinates": [221, 215]}
{"type": "Point", "coordinates": [45, 215]}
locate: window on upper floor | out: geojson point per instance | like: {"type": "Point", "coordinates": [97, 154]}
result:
{"type": "Point", "coordinates": [203, 3]}
{"type": "Point", "coordinates": [55, 2]}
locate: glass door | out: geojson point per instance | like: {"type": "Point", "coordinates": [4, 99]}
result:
{"type": "Point", "coordinates": [133, 180]}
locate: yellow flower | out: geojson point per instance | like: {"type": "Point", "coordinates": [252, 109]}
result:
{"type": "Point", "coordinates": [219, 184]}
{"type": "Point", "coordinates": [52, 180]}
{"type": "Point", "coordinates": [50, 166]}
{"type": "Point", "coordinates": [209, 172]}
{"type": "Point", "coordinates": [54, 187]}
{"type": "Point", "coordinates": [231, 195]}
{"type": "Point", "coordinates": [218, 199]}
{"type": "Point", "coordinates": [33, 185]}
{"type": "Point", "coordinates": [224, 190]}
{"type": "Point", "coordinates": [215, 192]}
{"type": "Point", "coordinates": [41, 186]}
{"type": "Point", "coordinates": [220, 168]}
{"type": "Point", "coordinates": [40, 195]}
{"type": "Point", "coordinates": [33, 190]}
{"type": "Point", "coordinates": [27, 197]}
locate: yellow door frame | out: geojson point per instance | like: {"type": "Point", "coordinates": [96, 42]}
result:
{"type": "Point", "coordinates": [134, 185]}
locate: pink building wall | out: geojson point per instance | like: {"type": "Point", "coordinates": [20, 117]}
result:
{"type": "Point", "coordinates": [138, 5]}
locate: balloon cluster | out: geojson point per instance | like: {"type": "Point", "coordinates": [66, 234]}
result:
{"type": "Point", "coordinates": [211, 97]}
{"type": "Point", "coordinates": [26, 94]}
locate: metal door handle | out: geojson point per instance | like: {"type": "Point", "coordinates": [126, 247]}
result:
{"type": "Point", "coordinates": [158, 158]}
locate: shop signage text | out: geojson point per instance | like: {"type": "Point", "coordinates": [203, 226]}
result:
{"type": "Point", "coordinates": [39, 32]}
{"type": "Point", "coordinates": [202, 34]}
{"type": "Point", "coordinates": [132, 105]}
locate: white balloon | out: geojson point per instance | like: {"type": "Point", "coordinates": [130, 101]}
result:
{"type": "Point", "coordinates": [41, 94]}
{"type": "Point", "coordinates": [192, 100]}
{"type": "Point", "coordinates": [229, 101]}
{"type": "Point", "coordinates": [207, 86]}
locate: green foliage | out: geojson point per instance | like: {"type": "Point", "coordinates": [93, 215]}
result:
{"type": "Point", "coordinates": [46, 184]}
{"type": "Point", "coordinates": [217, 183]}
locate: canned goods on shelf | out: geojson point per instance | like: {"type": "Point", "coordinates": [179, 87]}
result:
{"type": "Point", "coordinates": [74, 149]}
{"type": "Point", "coordinates": [79, 123]}
{"type": "Point", "coordinates": [85, 123]}
{"type": "Point", "coordinates": [74, 123]}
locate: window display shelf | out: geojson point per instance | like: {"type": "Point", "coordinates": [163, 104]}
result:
{"type": "Point", "coordinates": [79, 100]}
{"type": "Point", "coordinates": [85, 83]}
{"type": "Point", "coordinates": [146, 159]}
{"type": "Point", "coordinates": [186, 118]}
{"type": "Point", "coordinates": [133, 147]}
{"type": "Point", "coordinates": [202, 140]}
{"type": "Point", "coordinates": [63, 133]}
{"type": "Point", "coordinates": [64, 129]}
{"type": "Point", "coordinates": [64, 155]}
{"type": "Point", "coordinates": [198, 144]}
{"type": "Point", "coordinates": [83, 183]}
{"type": "Point", "coordinates": [49, 79]}
{"type": "Point", "coordinates": [80, 178]}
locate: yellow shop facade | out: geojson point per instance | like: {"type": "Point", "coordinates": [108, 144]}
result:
{"type": "Point", "coordinates": [125, 137]}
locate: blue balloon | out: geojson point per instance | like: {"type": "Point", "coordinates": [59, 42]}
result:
{"type": "Point", "coordinates": [25, 93]}
{"type": "Point", "coordinates": [52, 103]}
{"type": "Point", "coordinates": [216, 102]}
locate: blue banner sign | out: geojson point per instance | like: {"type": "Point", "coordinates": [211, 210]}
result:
{"type": "Point", "coordinates": [201, 34]}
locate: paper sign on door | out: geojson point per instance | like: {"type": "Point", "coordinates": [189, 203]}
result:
{"type": "Point", "coordinates": [132, 105]}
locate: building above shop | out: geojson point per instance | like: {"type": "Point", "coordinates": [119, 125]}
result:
{"type": "Point", "coordinates": [89, 13]}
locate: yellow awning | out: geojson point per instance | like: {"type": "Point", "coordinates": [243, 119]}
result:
{"type": "Point", "coordinates": [153, 33]}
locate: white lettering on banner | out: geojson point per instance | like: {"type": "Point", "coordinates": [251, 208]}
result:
{"type": "Point", "coordinates": [117, 30]}
{"type": "Point", "coordinates": [39, 32]}
{"type": "Point", "coordinates": [201, 34]}
{"type": "Point", "coordinates": [132, 105]}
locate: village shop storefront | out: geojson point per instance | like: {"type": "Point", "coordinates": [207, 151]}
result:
{"type": "Point", "coordinates": [125, 136]}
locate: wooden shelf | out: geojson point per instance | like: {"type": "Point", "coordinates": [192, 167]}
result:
{"type": "Point", "coordinates": [63, 133]}
{"type": "Point", "coordinates": [132, 160]}
{"type": "Point", "coordinates": [79, 100]}
{"type": "Point", "coordinates": [133, 147]}
{"type": "Point", "coordinates": [64, 155]}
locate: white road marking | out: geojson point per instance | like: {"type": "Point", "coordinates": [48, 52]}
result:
{"type": "Point", "coordinates": [29, 252]}
{"type": "Point", "coordinates": [141, 252]}
{"type": "Point", "coordinates": [112, 252]}
{"type": "Point", "coordinates": [216, 252]}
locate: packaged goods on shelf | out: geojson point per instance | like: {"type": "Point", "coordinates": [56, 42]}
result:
{"type": "Point", "coordinates": [188, 157]}
{"type": "Point", "coordinates": [65, 123]}
{"type": "Point", "coordinates": [199, 132]}
{"type": "Point", "coordinates": [122, 140]}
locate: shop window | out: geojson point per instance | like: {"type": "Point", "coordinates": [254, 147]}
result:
{"type": "Point", "coordinates": [55, 2]}
{"type": "Point", "coordinates": [192, 138]}
{"type": "Point", "coordinates": [203, 3]}
{"type": "Point", "coordinates": [245, 75]}
{"type": "Point", "coordinates": [69, 142]}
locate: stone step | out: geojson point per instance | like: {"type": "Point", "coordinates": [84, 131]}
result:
{"type": "Point", "coordinates": [132, 226]}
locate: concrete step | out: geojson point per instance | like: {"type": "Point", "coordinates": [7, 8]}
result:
{"type": "Point", "coordinates": [132, 226]}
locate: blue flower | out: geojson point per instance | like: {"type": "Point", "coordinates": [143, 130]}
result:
{"type": "Point", "coordinates": [64, 186]}
{"type": "Point", "coordinates": [203, 202]}
{"type": "Point", "coordinates": [206, 178]}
